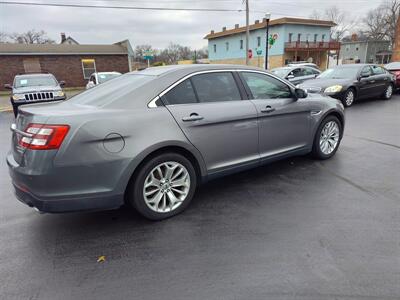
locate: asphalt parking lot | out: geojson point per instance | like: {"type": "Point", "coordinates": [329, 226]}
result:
{"type": "Point", "coordinates": [296, 229]}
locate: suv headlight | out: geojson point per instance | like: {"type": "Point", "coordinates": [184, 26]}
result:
{"type": "Point", "coordinates": [17, 97]}
{"type": "Point", "coordinates": [333, 89]}
{"type": "Point", "coordinates": [59, 94]}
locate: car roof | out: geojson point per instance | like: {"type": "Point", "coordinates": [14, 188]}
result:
{"type": "Point", "coordinates": [113, 72]}
{"type": "Point", "coordinates": [163, 70]}
{"type": "Point", "coordinates": [34, 74]}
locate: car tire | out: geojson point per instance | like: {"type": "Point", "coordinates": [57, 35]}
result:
{"type": "Point", "coordinates": [349, 97]}
{"type": "Point", "coordinates": [388, 93]}
{"type": "Point", "coordinates": [327, 138]}
{"type": "Point", "coordinates": [163, 187]}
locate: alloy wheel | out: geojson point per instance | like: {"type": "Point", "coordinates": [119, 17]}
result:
{"type": "Point", "coordinates": [166, 187]}
{"type": "Point", "coordinates": [329, 138]}
{"type": "Point", "coordinates": [349, 98]}
{"type": "Point", "coordinates": [389, 91]}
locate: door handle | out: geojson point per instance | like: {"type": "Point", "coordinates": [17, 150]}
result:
{"type": "Point", "coordinates": [268, 109]}
{"type": "Point", "coordinates": [192, 117]}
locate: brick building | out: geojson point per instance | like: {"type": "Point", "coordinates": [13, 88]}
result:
{"type": "Point", "coordinates": [73, 63]}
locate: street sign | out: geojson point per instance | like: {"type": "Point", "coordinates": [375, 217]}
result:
{"type": "Point", "coordinates": [148, 54]}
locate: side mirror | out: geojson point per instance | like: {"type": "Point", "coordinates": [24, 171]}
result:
{"type": "Point", "coordinates": [8, 86]}
{"type": "Point", "coordinates": [300, 93]}
{"type": "Point", "coordinates": [62, 83]}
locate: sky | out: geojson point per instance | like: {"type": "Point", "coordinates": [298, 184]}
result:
{"type": "Point", "coordinates": [157, 28]}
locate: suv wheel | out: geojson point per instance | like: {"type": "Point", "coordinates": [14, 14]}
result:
{"type": "Point", "coordinates": [164, 186]}
{"type": "Point", "coordinates": [327, 138]}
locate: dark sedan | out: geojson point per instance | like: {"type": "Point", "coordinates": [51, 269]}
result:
{"type": "Point", "coordinates": [351, 82]}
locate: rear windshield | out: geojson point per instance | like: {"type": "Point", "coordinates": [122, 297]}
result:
{"type": "Point", "coordinates": [281, 72]}
{"type": "Point", "coordinates": [107, 92]}
{"type": "Point", "coordinates": [105, 77]}
{"type": "Point", "coordinates": [340, 73]}
{"type": "Point", "coordinates": [40, 80]}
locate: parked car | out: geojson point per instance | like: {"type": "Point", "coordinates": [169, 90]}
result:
{"type": "Point", "coordinates": [394, 68]}
{"type": "Point", "coordinates": [149, 138]}
{"type": "Point", "coordinates": [303, 64]}
{"type": "Point", "coordinates": [351, 82]}
{"type": "Point", "coordinates": [34, 88]}
{"type": "Point", "coordinates": [101, 77]}
{"type": "Point", "coordinates": [296, 75]}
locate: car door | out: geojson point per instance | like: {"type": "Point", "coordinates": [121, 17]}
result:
{"type": "Point", "coordinates": [367, 83]}
{"type": "Point", "coordinates": [381, 79]}
{"type": "Point", "coordinates": [210, 111]}
{"type": "Point", "coordinates": [284, 122]}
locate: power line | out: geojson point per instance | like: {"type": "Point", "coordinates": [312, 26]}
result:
{"type": "Point", "coordinates": [121, 7]}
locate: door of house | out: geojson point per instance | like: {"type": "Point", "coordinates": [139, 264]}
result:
{"type": "Point", "coordinates": [32, 65]}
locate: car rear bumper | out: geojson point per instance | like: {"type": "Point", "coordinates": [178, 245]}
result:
{"type": "Point", "coordinates": [66, 203]}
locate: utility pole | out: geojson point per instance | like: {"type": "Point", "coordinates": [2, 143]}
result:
{"type": "Point", "coordinates": [247, 32]}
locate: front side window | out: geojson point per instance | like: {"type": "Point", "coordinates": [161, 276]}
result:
{"type": "Point", "coordinates": [366, 71]}
{"type": "Point", "coordinates": [88, 67]}
{"type": "Point", "coordinates": [183, 93]}
{"type": "Point", "coordinates": [297, 73]}
{"type": "Point", "coordinates": [263, 86]}
{"type": "Point", "coordinates": [215, 87]}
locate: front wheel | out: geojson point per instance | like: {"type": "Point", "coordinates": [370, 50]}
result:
{"type": "Point", "coordinates": [349, 97]}
{"type": "Point", "coordinates": [164, 186]}
{"type": "Point", "coordinates": [387, 94]}
{"type": "Point", "coordinates": [327, 138]}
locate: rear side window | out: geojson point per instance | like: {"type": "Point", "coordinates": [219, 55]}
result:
{"type": "Point", "coordinates": [263, 86]}
{"type": "Point", "coordinates": [366, 71]}
{"type": "Point", "coordinates": [183, 93]}
{"type": "Point", "coordinates": [215, 87]}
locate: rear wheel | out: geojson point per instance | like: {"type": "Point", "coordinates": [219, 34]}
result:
{"type": "Point", "coordinates": [349, 97]}
{"type": "Point", "coordinates": [164, 186]}
{"type": "Point", "coordinates": [327, 138]}
{"type": "Point", "coordinates": [387, 94]}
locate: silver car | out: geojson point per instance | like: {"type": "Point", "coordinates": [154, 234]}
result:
{"type": "Point", "coordinates": [149, 138]}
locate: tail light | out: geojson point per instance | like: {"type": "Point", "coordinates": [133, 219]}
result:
{"type": "Point", "coordinates": [44, 137]}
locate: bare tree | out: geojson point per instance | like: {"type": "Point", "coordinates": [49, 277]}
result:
{"type": "Point", "coordinates": [339, 17]}
{"type": "Point", "coordinates": [31, 37]}
{"type": "Point", "coordinates": [3, 37]}
{"type": "Point", "coordinates": [376, 24]}
{"type": "Point", "coordinates": [140, 51]}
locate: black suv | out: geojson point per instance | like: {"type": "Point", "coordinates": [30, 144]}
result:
{"type": "Point", "coordinates": [35, 88]}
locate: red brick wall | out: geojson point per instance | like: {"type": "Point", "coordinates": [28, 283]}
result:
{"type": "Point", "coordinates": [63, 67]}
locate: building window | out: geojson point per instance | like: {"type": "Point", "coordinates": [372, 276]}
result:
{"type": "Point", "coordinates": [88, 67]}
{"type": "Point", "coordinates": [307, 37]}
{"type": "Point", "coordinates": [357, 49]}
{"type": "Point", "coordinates": [315, 38]}
{"type": "Point", "coordinates": [241, 44]}
{"type": "Point", "coordinates": [290, 37]}
{"type": "Point", "coordinates": [299, 37]}
{"type": "Point", "coordinates": [323, 37]}
{"type": "Point", "coordinates": [258, 41]}
{"type": "Point", "coordinates": [215, 48]}
{"type": "Point", "coordinates": [227, 46]}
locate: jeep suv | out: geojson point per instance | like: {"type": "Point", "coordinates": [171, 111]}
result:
{"type": "Point", "coordinates": [35, 88]}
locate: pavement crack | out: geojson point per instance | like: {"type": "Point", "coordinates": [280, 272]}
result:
{"type": "Point", "coordinates": [359, 187]}
{"type": "Point", "coordinates": [374, 141]}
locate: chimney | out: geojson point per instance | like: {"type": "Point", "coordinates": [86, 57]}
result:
{"type": "Point", "coordinates": [257, 22]}
{"type": "Point", "coordinates": [236, 26]}
{"type": "Point", "coordinates": [63, 38]}
{"type": "Point", "coordinates": [354, 37]}
{"type": "Point", "coordinates": [224, 28]}
{"type": "Point", "coordinates": [212, 31]}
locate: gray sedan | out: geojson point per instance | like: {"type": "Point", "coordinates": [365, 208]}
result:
{"type": "Point", "coordinates": [149, 138]}
{"type": "Point", "coordinates": [296, 74]}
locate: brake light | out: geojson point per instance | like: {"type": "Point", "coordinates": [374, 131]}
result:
{"type": "Point", "coordinates": [44, 137]}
